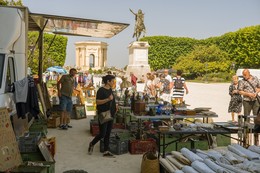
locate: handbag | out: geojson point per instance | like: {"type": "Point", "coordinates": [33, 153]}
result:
{"type": "Point", "coordinates": [150, 163]}
{"type": "Point", "coordinates": [104, 117]}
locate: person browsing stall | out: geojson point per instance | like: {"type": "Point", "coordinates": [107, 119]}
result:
{"type": "Point", "coordinates": [235, 104]}
{"type": "Point", "coordinates": [65, 87]}
{"type": "Point", "coordinates": [249, 87]}
{"type": "Point", "coordinates": [105, 101]}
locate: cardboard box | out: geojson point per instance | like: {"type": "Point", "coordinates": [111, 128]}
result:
{"type": "Point", "coordinates": [53, 122]}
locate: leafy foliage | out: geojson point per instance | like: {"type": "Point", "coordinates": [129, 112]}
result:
{"type": "Point", "coordinates": [54, 51]}
{"type": "Point", "coordinates": [222, 54]}
{"type": "Point", "coordinates": [204, 60]}
{"type": "Point", "coordinates": [11, 2]}
{"type": "Point", "coordinates": [164, 50]}
{"type": "Point", "coordinates": [242, 46]}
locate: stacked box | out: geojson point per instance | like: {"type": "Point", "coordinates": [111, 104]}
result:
{"type": "Point", "coordinates": [117, 146]}
{"type": "Point", "coordinates": [29, 142]}
{"type": "Point", "coordinates": [53, 122]}
{"type": "Point", "coordinates": [142, 146]}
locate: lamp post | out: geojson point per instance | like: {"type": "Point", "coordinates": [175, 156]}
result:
{"type": "Point", "coordinates": [206, 77]}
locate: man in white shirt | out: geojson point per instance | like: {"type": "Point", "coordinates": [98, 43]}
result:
{"type": "Point", "coordinates": [169, 78]}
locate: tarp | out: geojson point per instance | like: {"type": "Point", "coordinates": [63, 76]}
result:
{"type": "Point", "coordinates": [58, 69]}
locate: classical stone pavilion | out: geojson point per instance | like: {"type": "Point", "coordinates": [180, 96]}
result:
{"type": "Point", "coordinates": [91, 54]}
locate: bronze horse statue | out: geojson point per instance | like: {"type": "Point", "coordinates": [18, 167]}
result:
{"type": "Point", "coordinates": [139, 24]}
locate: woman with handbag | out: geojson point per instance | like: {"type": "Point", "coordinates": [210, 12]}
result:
{"type": "Point", "coordinates": [106, 109]}
{"type": "Point", "coordinates": [235, 104]}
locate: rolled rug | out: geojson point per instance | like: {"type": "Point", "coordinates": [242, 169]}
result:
{"type": "Point", "coordinates": [175, 162]}
{"type": "Point", "coordinates": [249, 166]}
{"type": "Point", "coordinates": [231, 168]}
{"type": "Point", "coordinates": [236, 151]}
{"type": "Point", "coordinates": [189, 169]}
{"type": "Point", "coordinates": [215, 155]}
{"type": "Point", "coordinates": [166, 165]}
{"type": "Point", "coordinates": [180, 157]}
{"type": "Point", "coordinates": [190, 155]}
{"type": "Point", "coordinates": [231, 158]}
{"type": "Point", "coordinates": [215, 167]}
{"type": "Point", "coordinates": [239, 158]}
{"type": "Point", "coordinates": [172, 164]}
{"type": "Point", "coordinates": [201, 167]}
{"type": "Point", "coordinates": [254, 148]}
{"type": "Point", "coordinates": [202, 154]}
{"type": "Point", "coordinates": [250, 154]}
{"type": "Point", "coordinates": [179, 171]}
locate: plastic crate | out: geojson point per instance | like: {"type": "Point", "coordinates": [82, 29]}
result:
{"type": "Point", "coordinates": [35, 156]}
{"type": "Point", "coordinates": [29, 169]}
{"type": "Point", "coordinates": [117, 146]}
{"type": "Point", "coordinates": [49, 165]}
{"type": "Point", "coordinates": [132, 126]}
{"type": "Point", "coordinates": [142, 146]}
{"type": "Point", "coordinates": [29, 142]}
{"type": "Point", "coordinates": [39, 126]}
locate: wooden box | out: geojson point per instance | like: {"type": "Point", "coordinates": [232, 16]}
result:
{"type": "Point", "coordinates": [53, 122]}
{"type": "Point", "coordinates": [139, 107]}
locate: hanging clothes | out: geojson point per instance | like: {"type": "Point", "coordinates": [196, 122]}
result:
{"type": "Point", "coordinates": [31, 104]}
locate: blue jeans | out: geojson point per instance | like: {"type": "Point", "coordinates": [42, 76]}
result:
{"type": "Point", "coordinates": [66, 103]}
{"type": "Point", "coordinates": [104, 132]}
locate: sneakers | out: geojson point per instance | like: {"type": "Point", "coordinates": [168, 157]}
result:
{"type": "Point", "coordinates": [90, 148]}
{"type": "Point", "coordinates": [108, 154]}
{"type": "Point", "coordinates": [68, 126]}
{"type": "Point", "coordinates": [63, 127]}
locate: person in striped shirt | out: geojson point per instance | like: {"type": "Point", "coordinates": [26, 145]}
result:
{"type": "Point", "coordinates": [179, 85]}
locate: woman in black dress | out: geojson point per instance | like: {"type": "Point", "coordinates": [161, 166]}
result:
{"type": "Point", "coordinates": [235, 104]}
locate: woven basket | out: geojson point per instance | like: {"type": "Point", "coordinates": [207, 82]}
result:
{"type": "Point", "coordinates": [150, 163]}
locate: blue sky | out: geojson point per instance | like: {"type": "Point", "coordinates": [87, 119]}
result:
{"type": "Point", "coordinates": [178, 18]}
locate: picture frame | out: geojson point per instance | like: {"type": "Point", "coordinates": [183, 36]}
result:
{"type": "Point", "coordinates": [45, 151]}
{"type": "Point", "coordinates": [80, 111]}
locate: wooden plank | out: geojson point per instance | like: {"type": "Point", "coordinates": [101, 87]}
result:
{"type": "Point", "coordinates": [42, 100]}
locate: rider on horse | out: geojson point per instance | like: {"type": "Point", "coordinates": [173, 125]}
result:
{"type": "Point", "coordinates": [139, 24]}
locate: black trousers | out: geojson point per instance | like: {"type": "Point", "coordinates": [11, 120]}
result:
{"type": "Point", "coordinates": [104, 132]}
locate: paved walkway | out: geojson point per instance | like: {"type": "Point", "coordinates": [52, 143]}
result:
{"type": "Point", "coordinates": [72, 144]}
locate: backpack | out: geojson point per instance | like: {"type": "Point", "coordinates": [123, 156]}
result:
{"type": "Point", "coordinates": [178, 84]}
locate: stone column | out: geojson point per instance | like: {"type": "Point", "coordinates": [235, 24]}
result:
{"type": "Point", "coordinates": [77, 57]}
{"type": "Point", "coordinates": [87, 58]}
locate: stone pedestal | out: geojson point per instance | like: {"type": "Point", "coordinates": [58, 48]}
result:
{"type": "Point", "coordinates": [138, 59]}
